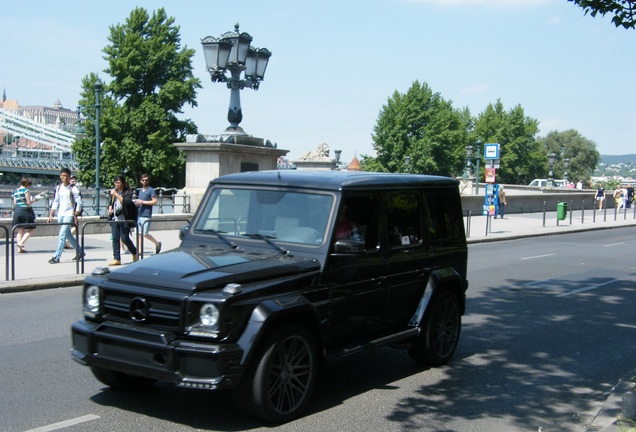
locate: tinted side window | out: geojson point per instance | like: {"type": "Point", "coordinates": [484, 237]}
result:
{"type": "Point", "coordinates": [358, 219]}
{"type": "Point", "coordinates": [403, 218]}
{"type": "Point", "coordinates": [443, 218]}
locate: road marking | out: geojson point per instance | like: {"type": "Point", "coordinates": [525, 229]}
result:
{"type": "Point", "coordinates": [580, 290]}
{"type": "Point", "coordinates": [537, 256]}
{"type": "Point", "coordinates": [65, 424]}
{"type": "Point", "coordinates": [613, 244]}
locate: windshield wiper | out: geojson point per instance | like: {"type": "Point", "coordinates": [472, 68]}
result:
{"type": "Point", "coordinates": [268, 240]}
{"type": "Point", "coordinates": [219, 235]}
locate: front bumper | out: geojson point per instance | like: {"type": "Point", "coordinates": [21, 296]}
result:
{"type": "Point", "coordinates": [156, 355]}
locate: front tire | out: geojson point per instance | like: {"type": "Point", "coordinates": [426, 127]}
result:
{"type": "Point", "coordinates": [120, 380]}
{"type": "Point", "coordinates": [440, 330]}
{"type": "Point", "coordinates": [279, 381]}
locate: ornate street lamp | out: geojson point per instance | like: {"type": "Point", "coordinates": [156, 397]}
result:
{"type": "Point", "coordinates": [79, 131]}
{"type": "Point", "coordinates": [566, 165]}
{"type": "Point", "coordinates": [337, 153]}
{"type": "Point", "coordinates": [232, 52]}
{"type": "Point", "coordinates": [551, 161]}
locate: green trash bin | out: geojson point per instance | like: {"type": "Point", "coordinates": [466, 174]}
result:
{"type": "Point", "coordinates": [562, 210]}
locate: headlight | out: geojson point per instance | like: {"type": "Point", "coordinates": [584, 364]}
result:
{"type": "Point", "coordinates": [206, 323]}
{"type": "Point", "coordinates": [209, 315]}
{"type": "Point", "coordinates": [91, 299]}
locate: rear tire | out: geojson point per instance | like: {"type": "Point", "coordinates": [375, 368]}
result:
{"type": "Point", "coordinates": [440, 331]}
{"type": "Point", "coordinates": [120, 380]}
{"type": "Point", "coordinates": [279, 381]}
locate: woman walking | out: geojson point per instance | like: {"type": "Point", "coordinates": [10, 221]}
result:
{"type": "Point", "coordinates": [23, 213]}
{"type": "Point", "coordinates": [122, 208]}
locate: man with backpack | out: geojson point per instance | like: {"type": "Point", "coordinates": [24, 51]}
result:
{"type": "Point", "coordinates": [68, 204]}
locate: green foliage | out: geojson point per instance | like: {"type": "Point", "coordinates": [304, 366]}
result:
{"type": "Point", "coordinates": [521, 157]}
{"type": "Point", "coordinates": [623, 11]}
{"type": "Point", "coordinates": [581, 151]}
{"type": "Point", "coordinates": [422, 125]}
{"type": "Point", "coordinates": [152, 80]}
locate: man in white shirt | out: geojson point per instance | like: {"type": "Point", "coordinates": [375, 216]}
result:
{"type": "Point", "coordinates": [68, 204]}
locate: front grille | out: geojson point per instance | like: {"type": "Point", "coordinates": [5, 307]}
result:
{"type": "Point", "coordinates": [197, 366]}
{"type": "Point", "coordinates": [163, 314]}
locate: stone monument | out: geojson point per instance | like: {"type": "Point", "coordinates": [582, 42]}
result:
{"type": "Point", "coordinates": [209, 157]}
{"type": "Point", "coordinates": [316, 159]}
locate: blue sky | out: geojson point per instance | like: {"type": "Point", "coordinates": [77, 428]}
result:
{"type": "Point", "coordinates": [335, 63]}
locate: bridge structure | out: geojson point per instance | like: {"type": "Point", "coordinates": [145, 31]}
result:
{"type": "Point", "coordinates": [37, 149]}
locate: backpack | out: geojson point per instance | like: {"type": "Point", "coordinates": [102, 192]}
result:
{"type": "Point", "coordinates": [72, 196]}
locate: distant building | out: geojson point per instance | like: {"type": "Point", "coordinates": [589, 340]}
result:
{"type": "Point", "coordinates": [56, 116]}
{"type": "Point", "coordinates": [354, 165]}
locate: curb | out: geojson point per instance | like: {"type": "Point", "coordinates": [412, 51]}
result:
{"type": "Point", "coordinates": [36, 284]}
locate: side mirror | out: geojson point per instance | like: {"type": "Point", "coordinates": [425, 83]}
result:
{"type": "Point", "coordinates": [183, 231]}
{"type": "Point", "coordinates": [348, 247]}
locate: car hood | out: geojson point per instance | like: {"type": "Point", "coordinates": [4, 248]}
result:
{"type": "Point", "coordinates": [200, 268]}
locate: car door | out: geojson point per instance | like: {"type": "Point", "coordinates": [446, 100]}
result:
{"type": "Point", "coordinates": [355, 274]}
{"type": "Point", "coordinates": [407, 263]}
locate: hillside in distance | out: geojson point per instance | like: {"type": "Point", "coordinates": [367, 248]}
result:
{"type": "Point", "coordinates": [617, 159]}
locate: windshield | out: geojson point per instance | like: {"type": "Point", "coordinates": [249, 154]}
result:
{"type": "Point", "coordinates": [273, 214]}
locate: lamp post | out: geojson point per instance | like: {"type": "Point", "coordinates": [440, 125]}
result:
{"type": "Point", "coordinates": [232, 52]}
{"type": "Point", "coordinates": [470, 150]}
{"type": "Point", "coordinates": [407, 163]}
{"type": "Point", "coordinates": [337, 153]}
{"type": "Point", "coordinates": [551, 161]}
{"type": "Point", "coordinates": [80, 131]}
{"type": "Point", "coordinates": [566, 165]}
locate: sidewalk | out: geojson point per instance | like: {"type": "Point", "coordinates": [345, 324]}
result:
{"type": "Point", "coordinates": [536, 224]}
{"type": "Point", "coordinates": [32, 269]}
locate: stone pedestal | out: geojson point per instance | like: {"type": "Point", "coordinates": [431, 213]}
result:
{"type": "Point", "coordinates": [324, 164]}
{"type": "Point", "coordinates": [206, 161]}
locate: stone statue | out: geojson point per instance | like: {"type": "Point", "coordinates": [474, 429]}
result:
{"type": "Point", "coordinates": [320, 152]}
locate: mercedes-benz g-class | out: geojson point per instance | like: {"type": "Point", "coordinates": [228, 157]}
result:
{"type": "Point", "coordinates": [278, 273]}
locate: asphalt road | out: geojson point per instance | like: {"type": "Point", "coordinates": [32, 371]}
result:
{"type": "Point", "coordinates": [548, 332]}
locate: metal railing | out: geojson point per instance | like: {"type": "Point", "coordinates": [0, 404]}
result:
{"type": "Point", "coordinates": [36, 224]}
{"type": "Point", "coordinates": [140, 235]}
{"type": "Point", "coordinates": [6, 250]}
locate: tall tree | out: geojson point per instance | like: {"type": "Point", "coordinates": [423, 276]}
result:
{"type": "Point", "coordinates": [422, 126]}
{"type": "Point", "coordinates": [623, 11]}
{"type": "Point", "coordinates": [581, 151]}
{"type": "Point", "coordinates": [152, 80]}
{"type": "Point", "coordinates": [521, 157]}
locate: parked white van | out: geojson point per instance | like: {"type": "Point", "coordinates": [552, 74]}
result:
{"type": "Point", "coordinates": [544, 183]}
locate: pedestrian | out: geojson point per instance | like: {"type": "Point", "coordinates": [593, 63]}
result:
{"type": "Point", "coordinates": [579, 185]}
{"type": "Point", "coordinates": [502, 202]}
{"type": "Point", "coordinates": [146, 200]}
{"type": "Point", "coordinates": [121, 208]}
{"type": "Point", "coordinates": [618, 196]}
{"type": "Point", "coordinates": [23, 213]}
{"type": "Point", "coordinates": [68, 204]}
{"type": "Point", "coordinates": [600, 196]}
{"type": "Point", "coordinates": [73, 182]}
{"type": "Point", "coordinates": [622, 202]}
{"type": "Point", "coordinates": [630, 195]}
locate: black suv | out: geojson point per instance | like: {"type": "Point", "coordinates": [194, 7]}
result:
{"type": "Point", "coordinates": [278, 273]}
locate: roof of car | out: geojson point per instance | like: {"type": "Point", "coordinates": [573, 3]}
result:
{"type": "Point", "coordinates": [333, 180]}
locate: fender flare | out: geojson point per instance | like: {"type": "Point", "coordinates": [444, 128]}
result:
{"type": "Point", "coordinates": [437, 279]}
{"type": "Point", "coordinates": [265, 315]}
